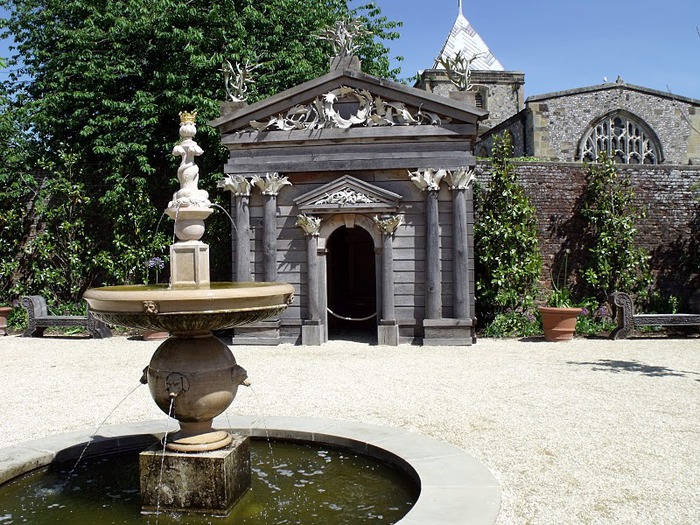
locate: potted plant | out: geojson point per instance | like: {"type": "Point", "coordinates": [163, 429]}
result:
{"type": "Point", "coordinates": [4, 314]}
{"type": "Point", "coordinates": [560, 315]}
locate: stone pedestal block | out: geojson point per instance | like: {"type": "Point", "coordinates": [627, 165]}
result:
{"type": "Point", "coordinates": [448, 332]}
{"type": "Point", "coordinates": [261, 333]}
{"type": "Point", "coordinates": [189, 263]}
{"type": "Point", "coordinates": [202, 483]}
{"type": "Point", "coordinates": [312, 333]}
{"type": "Point", "coordinates": [388, 332]}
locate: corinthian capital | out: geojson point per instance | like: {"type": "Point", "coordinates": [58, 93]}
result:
{"type": "Point", "coordinates": [460, 179]}
{"type": "Point", "coordinates": [311, 225]}
{"type": "Point", "coordinates": [427, 179]}
{"type": "Point", "coordinates": [387, 224]}
{"type": "Point", "coordinates": [236, 184]}
{"type": "Point", "coordinates": [271, 184]}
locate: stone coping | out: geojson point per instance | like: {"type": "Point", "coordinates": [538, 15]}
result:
{"type": "Point", "coordinates": [455, 488]}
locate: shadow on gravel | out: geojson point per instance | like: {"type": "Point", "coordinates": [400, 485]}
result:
{"type": "Point", "coordinates": [616, 366]}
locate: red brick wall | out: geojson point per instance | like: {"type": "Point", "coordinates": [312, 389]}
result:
{"type": "Point", "coordinates": [665, 192]}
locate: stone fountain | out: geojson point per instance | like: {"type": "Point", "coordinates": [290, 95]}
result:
{"type": "Point", "coordinates": [193, 376]}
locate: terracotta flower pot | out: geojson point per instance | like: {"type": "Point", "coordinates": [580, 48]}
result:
{"type": "Point", "coordinates": [4, 313]}
{"type": "Point", "coordinates": [559, 323]}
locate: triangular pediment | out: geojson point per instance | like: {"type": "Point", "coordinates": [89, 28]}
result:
{"type": "Point", "coordinates": [348, 194]}
{"type": "Point", "coordinates": [347, 99]}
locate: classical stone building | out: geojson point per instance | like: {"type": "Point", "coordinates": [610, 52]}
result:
{"type": "Point", "coordinates": [356, 190]}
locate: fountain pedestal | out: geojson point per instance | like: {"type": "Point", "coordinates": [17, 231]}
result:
{"type": "Point", "coordinates": [205, 483]}
{"type": "Point", "coordinates": [193, 376]}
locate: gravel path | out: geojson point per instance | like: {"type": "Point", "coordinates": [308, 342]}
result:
{"type": "Point", "coordinates": [587, 432]}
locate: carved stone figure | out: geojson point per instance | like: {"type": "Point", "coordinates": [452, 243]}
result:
{"type": "Point", "coordinates": [188, 172]}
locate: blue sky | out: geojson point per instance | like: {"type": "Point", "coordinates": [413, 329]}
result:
{"type": "Point", "coordinates": [564, 44]}
{"type": "Point", "coordinates": [561, 44]}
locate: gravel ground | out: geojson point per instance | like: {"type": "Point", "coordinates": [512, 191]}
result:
{"type": "Point", "coordinates": [586, 432]}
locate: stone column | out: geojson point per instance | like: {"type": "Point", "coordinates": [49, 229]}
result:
{"type": "Point", "coordinates": [388, 329]}
{"type": "Point", "coordinates": [428, 181]}
{"type": "Point", "coordinates": [459, 181]}
{"type": "Point", "coordinates": [312, 329]}
{"type": "Point", "coordinates": [240, 187]}
{"type": "Point", "coordinates": [270, 187]}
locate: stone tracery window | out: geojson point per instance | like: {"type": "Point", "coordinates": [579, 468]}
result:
{"type": "Point", "coordinates": [624, 138]}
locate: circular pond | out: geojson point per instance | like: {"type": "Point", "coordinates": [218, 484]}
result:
{"type": "Point", "coordinates": [292, 483]}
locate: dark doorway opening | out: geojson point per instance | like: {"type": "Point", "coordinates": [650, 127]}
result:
{"type": "Point", "coordinates": [352, 285]}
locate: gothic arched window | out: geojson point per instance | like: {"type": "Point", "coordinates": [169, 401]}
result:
{"type": "Point", "coordinates": [624, 137]}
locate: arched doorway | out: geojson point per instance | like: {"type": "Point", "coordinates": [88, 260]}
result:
{"type": "Point", "coordinates": [351, 284]}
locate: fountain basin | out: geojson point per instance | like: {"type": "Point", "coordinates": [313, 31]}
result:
{"type": "Point", "coordinates": [190, 310]}
{"type": "Point", "coordinates": [455, 488]}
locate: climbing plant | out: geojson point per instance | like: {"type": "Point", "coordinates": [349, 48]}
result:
{"type": "Point", "coordinates": [615, 262]}
{"type": "Point", "coordinates": [508, 260]}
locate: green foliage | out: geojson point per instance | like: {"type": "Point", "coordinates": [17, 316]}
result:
{"type": "Point", "coordinates": [508, 260]}
{"type": "Point", "coordinates": [521, 322]}
{"type": "Point", "coordinates": [89, 115]}
{"type": "Point", "coordinates": [615, 263]}
{"type": "Point", "coordinates": [594, 318]}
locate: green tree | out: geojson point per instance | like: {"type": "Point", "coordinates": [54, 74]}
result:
{"type": "Point", "coordinates": [101, 82]}
{"type": "Point", "coordinates": [508, 260]}
{"type": "Point", "coordinates": [615, 262]}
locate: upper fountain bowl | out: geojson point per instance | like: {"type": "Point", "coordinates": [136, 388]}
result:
{"type": "Point", "coordinates": [188, 310]}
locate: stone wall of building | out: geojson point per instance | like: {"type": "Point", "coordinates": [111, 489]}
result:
{"type": "Point", "coordinates": [502, 92]}
{"type": "Point", "coordinates": [669, 231]}
{"type": "Point", "coordinates": [560, 120]}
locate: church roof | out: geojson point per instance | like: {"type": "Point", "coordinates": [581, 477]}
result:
{"type": "Point", "coordinates": [463, 37]}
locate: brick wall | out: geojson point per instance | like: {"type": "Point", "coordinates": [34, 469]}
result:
{"type": "Point", "coordinates": [665, 192]}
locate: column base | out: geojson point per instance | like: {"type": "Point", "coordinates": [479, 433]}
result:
{"type": "Point", "coordinates": [388, 332]}
{"type": "Point", "coordinates": [448, 332]}
{"type": "Point", "coordinates": [312, 333]}
{"type": "Point", "coordinates": [203, 483]}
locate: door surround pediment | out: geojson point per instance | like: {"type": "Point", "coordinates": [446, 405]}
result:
{"type": "Point", "coordinates": [348, 194]}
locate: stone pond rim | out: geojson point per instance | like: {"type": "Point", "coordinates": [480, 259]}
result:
{"type": "Point", "coordinates": [455, 488]}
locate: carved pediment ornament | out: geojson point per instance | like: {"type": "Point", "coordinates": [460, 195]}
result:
{"type": "Point", "coordinates": [371, 111]}
{"type": "Point", "coordinates": [346, 197]}
{"type": "Point", "coordinates": [348, 194]}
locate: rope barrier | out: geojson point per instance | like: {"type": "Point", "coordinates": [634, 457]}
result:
{"type": "Point", "coordinates": [351, 318]}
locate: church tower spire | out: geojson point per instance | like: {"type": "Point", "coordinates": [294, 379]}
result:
{"type": "Point", "coordinates": [463, 37]}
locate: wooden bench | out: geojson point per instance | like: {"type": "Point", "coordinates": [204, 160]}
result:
{"type": "Point", "coordinates": [627, 320]}
{"type": "Point", "coordinates": [38, 319]}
